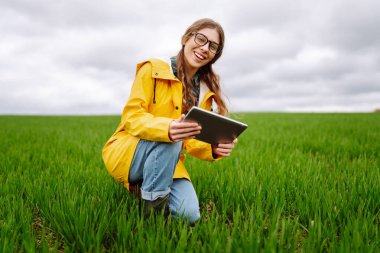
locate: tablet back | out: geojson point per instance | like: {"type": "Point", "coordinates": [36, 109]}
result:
{"type": "Point", "coordinates": [215, 128]}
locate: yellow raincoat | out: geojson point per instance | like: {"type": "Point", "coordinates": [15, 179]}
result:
{"type": "Point", "coordinates": [155, 100]}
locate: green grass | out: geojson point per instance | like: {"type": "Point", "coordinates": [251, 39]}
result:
{"type": "Point", "coordinates": [295, 182]}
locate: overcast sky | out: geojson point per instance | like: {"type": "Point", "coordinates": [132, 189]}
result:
{"type": "Point", "coordinates": [79, 57]}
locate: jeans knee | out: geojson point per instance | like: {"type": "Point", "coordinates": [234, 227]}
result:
{"type": "Point", "coordinates": [175, 147]}
{"type": "Point", "coordinates": [167, 147]}
{"type": "Point", "coordinates": [171, 151]}
{"type": "Point", "coordinates": [190, 214]}
{"type": "Point", "coordinates": [194, 216]}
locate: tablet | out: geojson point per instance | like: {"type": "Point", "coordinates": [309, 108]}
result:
{"type": "Point", "coordinates": [215, 128]}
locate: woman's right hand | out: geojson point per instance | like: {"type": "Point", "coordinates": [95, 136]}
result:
{"type": "Point", "coordinates": [181, 130]}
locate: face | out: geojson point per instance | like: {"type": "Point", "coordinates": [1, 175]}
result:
{"type": "Point", "coordinates": [197, 55]}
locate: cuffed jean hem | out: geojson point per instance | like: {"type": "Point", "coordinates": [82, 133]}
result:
{"type": "Point", "coordinates": [151, 196]}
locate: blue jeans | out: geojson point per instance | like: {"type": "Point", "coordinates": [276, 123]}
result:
{"type": "Point", "coordinates": [153, 167]}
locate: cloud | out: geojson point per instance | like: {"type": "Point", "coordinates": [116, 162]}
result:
{"type": "Point", "coordinates": [79, 57]}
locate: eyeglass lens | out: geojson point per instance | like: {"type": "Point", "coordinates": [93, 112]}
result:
{"type": "Point", "coordinates": [202, 40]}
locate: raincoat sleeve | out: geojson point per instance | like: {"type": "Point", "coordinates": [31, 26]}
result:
{"type": "Point", "coordinates": [200, 150]}
{"type": "Point", "coordinates": [137, 119]}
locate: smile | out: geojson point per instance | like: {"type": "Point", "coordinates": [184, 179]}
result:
{"type": "Point", "coordinates": [200, 57]}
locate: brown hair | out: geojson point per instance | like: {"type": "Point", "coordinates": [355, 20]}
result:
{"type": "Point", "coordinates": [207, 75]}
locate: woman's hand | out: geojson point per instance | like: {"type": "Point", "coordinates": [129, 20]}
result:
{"type": "Point", "coordinates": [180, 130]}
{"type": "Point", "coordinates": [224, 149]}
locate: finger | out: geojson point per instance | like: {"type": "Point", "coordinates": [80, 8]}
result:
{"type": "Point", "coordinates": [186, 135]}
{"type": "Point", "coordinates": [177, 134]}
{"type": "Point", "coordinates": [182, 118]}
{"type": "Point", "coordinates": [185, 125]}
{"type": "Point", "coordinates": [183, 136]}
{"type": "Point", "coordinates": [222, 153]}
{"type": "Point", "coordinates": [184, 130]}
{"type": "Point", "coordinates": [224, 150]}
{"type": "Point", "coordinates": [229, 145]}
{"type": "Point", "coordinates": [187, 138]}
{"type": "Point", "coordinates": [183, 139]}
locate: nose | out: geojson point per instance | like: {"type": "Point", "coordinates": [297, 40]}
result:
{"type": "Point", "coordinates": [205, 46]}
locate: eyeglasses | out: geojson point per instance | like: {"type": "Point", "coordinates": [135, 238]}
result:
{"type": "Point", "coordinates": [202, 40]}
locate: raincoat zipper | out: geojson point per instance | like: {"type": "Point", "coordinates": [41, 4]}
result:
{"type": "Point", "coordinates": [154, 91]}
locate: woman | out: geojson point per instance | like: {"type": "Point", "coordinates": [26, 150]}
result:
{"type": "Point", "coordinates": [146, 149]}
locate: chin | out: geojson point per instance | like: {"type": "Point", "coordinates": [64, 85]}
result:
{"type": "Point", "coordinates": [196, 64]}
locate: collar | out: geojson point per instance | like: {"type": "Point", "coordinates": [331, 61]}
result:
{"type": "Point", "coordinates": [160, 69]}
{"type": "Point", "coordinates": [173, 61]}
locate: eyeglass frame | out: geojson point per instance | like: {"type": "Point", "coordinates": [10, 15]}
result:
{"type": "Point", "coordinates": [208, 41]}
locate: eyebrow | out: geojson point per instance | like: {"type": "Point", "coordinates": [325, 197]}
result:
{"type": "Point", "coordinates": [214, 42]}
{"type": "Point", "coordinates": [208, 38]}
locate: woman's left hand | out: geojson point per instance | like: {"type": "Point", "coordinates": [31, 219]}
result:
{"type": "Point", "coordinates": [224, 149]}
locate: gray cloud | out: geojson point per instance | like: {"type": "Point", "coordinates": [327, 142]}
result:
{"type": "Point", "coordinates": [78, 57]}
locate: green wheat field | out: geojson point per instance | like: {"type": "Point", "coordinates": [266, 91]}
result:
{"type": "Point", "coordinates": [294, 183]}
